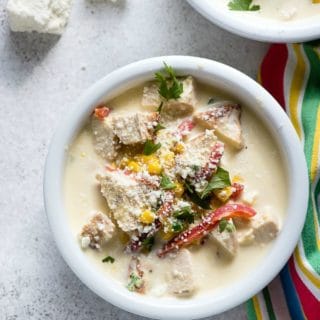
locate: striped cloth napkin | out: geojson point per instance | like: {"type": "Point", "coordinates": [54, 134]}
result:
{"type": "Point", "coordinates": [291, 73]}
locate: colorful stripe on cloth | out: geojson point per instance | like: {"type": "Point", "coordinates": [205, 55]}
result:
{"type": "Point", "coordinates": [291, 73]}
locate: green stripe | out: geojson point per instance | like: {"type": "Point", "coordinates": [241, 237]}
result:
{"type": "Point", "coordinates": [310, 105]}
{"type": "Point", "coordinates": [268, 302]}
{"type": "Point", "coordinates": [251, 313]}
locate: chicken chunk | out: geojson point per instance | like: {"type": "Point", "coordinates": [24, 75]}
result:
{"type": "Point", "coordinates": [181, 107]}
{"type": "Point", "coordinates": [265, 228]}
{"type": "Point", "coordinates": [181, 280]}
{"type": "Point", "coordinates": [185, 105]}
{"type": "Point", "coordinates": [200, 158]}
{"type": "Point", "coordinates": [105, 141]}
{"type": "Point", "coordinates": [151, 97]}
{"type": "Point", "coordinates": [226, 242]}
{"type": "Point", "coordinates": [126, 198]}
{"type": "Point", "coordinates": [224, 118]}
{"type": "Point", "coordinates": [134, 128]}
{"type": "Point", "coordinates": [97, 232]}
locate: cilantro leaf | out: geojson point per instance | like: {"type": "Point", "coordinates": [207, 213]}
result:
{"type": "Point", "coordinates": [169, 86]}
{"type": "Point", "coordinates": [135, 282]}
{"type": "Point", "coordinates": [159, 127]}
{"type": "Point", "coordinates": [150, 147]}
{"type": "Point", "coordinates": [147, 244]}
{"type": "Point", "coordinates": [211, 100]}
{"type": "Point", "coordinates": [166, 183]}
{"type": "Point", "coordinates": [177, 226]}
{"type": "Point", "coordinates": [108, 259]}
{"type": "Point", "coordinates": [160, 107]}
{"type": "Point", "coordinates": [224, 224]}
{"type": "Point", "coordinates": [220, 180]}
{"type": "Point", "coordinates": [193, 196]}
{"type": "Point", "coordinates": [184, 214]}
{"type": "Point", "coordinates": [243, 5]}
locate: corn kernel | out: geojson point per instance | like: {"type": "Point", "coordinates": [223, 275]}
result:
{"type": "Point", "coordinates": [169, 159]}
{"type": "Point", "coordinates": [237, 179]}
{"type": "Point", "coordinates": [166, 236]}
{"type": "Point", "coordinates": [223, 194]}
{"type": "Point", "coordinates": [178, 148]}
{"type": "Point", "coordinates": [133, 166]}
{"type": "Point", "coordinates": [147, 217]}
{"type": "Point", "coordinates": [179, 189]}
{"type": "Point", "coordinates": [124, 162]}
{"type": "Point", "coordinates": [154, 167]}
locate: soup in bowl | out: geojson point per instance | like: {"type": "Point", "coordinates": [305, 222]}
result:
{"type": "Point", "coordinates": [176, 189]}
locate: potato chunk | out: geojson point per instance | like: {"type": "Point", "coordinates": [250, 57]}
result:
{"type": "Point", "coordinates": [265, 228]}
{"type": "Point", "coordinates": [224, 118]}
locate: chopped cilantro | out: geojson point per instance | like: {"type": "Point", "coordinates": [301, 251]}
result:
{"type": "Point", "coordinates": [243, 5]}
{"type": "Point", "coordinates": [225, 225]}
{"type": "Point", "coordinates": [221, 179]}
{"type": "Point", "coordinates": [166, 183]}
{"type": "Point", "coordinates": [160, 107]}
{"type": "Point", "coordinates": [211, 100]}
{"type": "Point", "coordinates": [135, 282]}
{"type": "Point", "coordinates": [147, 244]}
{"type": "Point", "coordinates": [159, 127]}
{"type": "Point", "coordinates": [177, 226]}
{"type": "Point", "coordinates": [184, 214]}
{"type": "Point", "coordinates": [150, 147]}
{"type": "Point", "coordinates": [193, 196]}
{"type": "Point", "coordinates": [169, 86]}
{"type": "Point", "coordinates": [108, 259]}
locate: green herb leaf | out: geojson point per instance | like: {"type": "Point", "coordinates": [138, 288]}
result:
{"type": "Point", "coordinates": [169, 86]}
{"type": "Point", "coordinates": [193, 196]}
{"type": "Point", "coordinates": [160, 107]}
{"type": "Point", "coordinates": [177, 226]}
{"type": "Point", "coordinates": [184, 214]}
{"type": "Point", "coordinates": [147, 244]}
{"type": "Point", "coordinates": [159, 127]}
{"type": "Point", "coordinates": [150, 147]}
{"type": "Point", "coordinates": [108, 259]}
{"type": "Point", "coordinates": [166, 183]}
{"type": "Point", "coordinates": [220, 180]}
{"type": "Point", "coordinates": [135, 282]}
{"type": "Point", "coordinates": [211, 100]}
{"type": "Point", "coordinates": [243, 5]}
{"type": "Point", "coordinates": [225, 225]}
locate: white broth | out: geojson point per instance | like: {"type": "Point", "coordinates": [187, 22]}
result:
{"type": "Point", "coordinates": [259, 163]}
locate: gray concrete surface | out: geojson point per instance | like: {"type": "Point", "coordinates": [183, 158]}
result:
{"type": "Point", "coordinates": [40, 76]}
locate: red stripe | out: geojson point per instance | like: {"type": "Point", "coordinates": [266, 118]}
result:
{"type": "Point", "coordinates": [310, 305]}
{"type": "Point", "coordinates": [272, 71]}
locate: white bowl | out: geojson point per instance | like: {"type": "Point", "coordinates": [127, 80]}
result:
{"type": "Point", "coordinates": [253, 96]}
{"type": "Point", "coordinates": [259, 28]}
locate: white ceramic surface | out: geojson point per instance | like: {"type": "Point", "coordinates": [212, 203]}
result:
{"type": "Point", "coordinates": [257, 28]}
{"type": "Point", "coordinates": [253, 96]}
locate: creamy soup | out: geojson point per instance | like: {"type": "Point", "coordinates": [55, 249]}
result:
{"type": "Point", "coordinates": [179, 200]}
{"type": "Point", "coordinates": [284, 10]}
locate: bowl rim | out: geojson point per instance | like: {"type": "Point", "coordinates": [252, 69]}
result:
{"type": "Point", "coordinates": [193, 308]}
{"type": "Point", "coordinates": [299, 31]}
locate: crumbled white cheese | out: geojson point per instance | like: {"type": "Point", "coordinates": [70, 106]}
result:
{"type": "Point", "coordinates": [45, 16]}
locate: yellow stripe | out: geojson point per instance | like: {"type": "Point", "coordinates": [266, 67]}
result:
{"type": "Point", "coordinates": [257, 308]}
{"type": "Point", "coordinates": [315, 150]}
{"type": "Point", "coordinates": [311, 277]}
{"type": "Point", "coordinates": [296, 88]}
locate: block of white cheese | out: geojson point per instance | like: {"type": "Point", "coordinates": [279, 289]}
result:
{"type": "Point", "coordinates": [44, 16]}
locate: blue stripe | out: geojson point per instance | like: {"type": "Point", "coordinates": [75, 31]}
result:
{"type": "Point", "coordinates": [292, 299]}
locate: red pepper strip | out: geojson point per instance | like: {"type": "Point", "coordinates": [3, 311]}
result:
{"type": "Point", "coordinates": [101, 112]}
{"type": "Point", "coordinates": [238, 188]}
{"type": "Point", "coordinates": [208, 223]}
{"type": "Point", "coordinates": [215, 156]}
{"type": "Point", "coordinates": [185, 127]}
